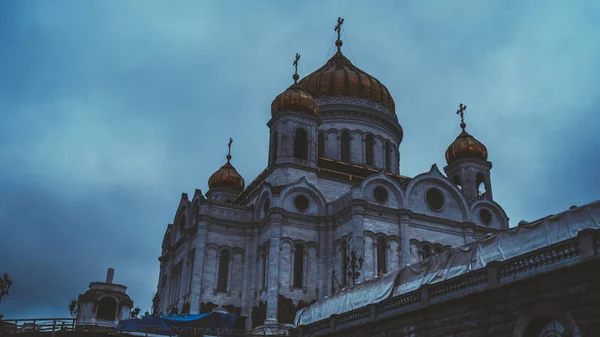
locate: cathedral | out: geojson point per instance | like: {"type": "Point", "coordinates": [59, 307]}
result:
{"type": "Point", "coordinates": [330, 210]}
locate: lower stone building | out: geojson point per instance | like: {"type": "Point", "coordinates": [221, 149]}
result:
{"type": "Point", "coordinates": [104, 304]}
{"type": "Point", "coordinates": [541, 290]}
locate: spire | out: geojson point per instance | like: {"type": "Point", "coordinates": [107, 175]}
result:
{"type": "Point", "coordinates": [338, 29]}
{"type": "Point", "coordinates": [296, 76]}
{"type": "Point", "coordinates": [461, 112]}
{"type": "Point", "coordinates": [229, 153]}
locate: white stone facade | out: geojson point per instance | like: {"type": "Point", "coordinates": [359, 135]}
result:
{"type": "Point", "coordinates": [284, 237]}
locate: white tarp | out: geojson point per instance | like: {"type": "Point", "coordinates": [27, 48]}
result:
{"type": "Point", "coordinates": [502, 246]}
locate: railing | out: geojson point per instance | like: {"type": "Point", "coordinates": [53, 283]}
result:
{"type": "Point", "coordinates": [60, 325]}
{"type": "Point", "coordinates": [584, 246]}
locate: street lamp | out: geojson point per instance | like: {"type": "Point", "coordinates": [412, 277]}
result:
{"type": "Point", "coordinates": [155, 304]}
{"type": "Point", "coordinates": [354, 266]}
{"type": "Point", "coordinates": [5, 284]}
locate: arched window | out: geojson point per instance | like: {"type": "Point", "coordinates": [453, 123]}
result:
{"type": "Point", "coordinates": [301, 144]}
{"type": "Point", "coordinates": [546, 327]}
{"type": "Point", "coordinates": [107, 309]}
{"type": "Point", "coordinates": [369, 150]}
{"type": "Point", "coordinates": [321, 144]}
{"type": "Point", "coordinates": [456, 181]}
{"type": "Point", "coordinates": [481, 187]}
{"type": "Point", "coordinates": [345, 146]}
{"type": "Point", "coordinates": [381, 256]}
{"type": "Point", "coordinates": [388, 157]}
{"type": "Point", "coordinates": [223, 270]}
{"type": "Point", "coordinates": [426, 251]}
{"type": "Point", "coordinates": [298, 265]}
{"type": "Point", "coordinates": [264, 270]}
{"type": "Point", "coordinates": [344, 263]}
{"type": "Point", "coordinates": [273, 148]}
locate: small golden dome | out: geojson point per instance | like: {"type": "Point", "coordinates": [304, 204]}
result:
{"type": "Point", "coordinates": [295, 99]}
{"type": "Point", "coordinates": [226, 177]}
{"type": "Point", "coordinates": [340, 77]}
{"type": "Point", "coordinates": [465, 146]}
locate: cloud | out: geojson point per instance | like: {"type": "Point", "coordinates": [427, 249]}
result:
{"type": "Point", "coordinates": [109, 112]}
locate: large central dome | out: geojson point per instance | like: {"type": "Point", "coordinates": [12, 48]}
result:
{"type": "Point", "coordinates": [340, 77]}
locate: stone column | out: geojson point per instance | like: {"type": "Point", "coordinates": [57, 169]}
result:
{"type": "Point", "coordinates": [200, 244]}
{"type": "Point", "coordinates": [273, 268]}
{"type": "Point", "coordinates": [250, 269]}
{"type": "Point", "coordinates": [404, 240]}
{"type": "Point", "coordinates": [185, 273]}
{"type": "Point", "coordinates": [357, 243]}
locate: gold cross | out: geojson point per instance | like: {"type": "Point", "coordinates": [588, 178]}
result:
{"type": "Point", "coordinates": [229, 146]}
{"type": "Point", "coordinates": [296, 68]}
{"type": "Point", "coordinates": [461, 112]}
{"type": "Point", "coordinates": [338, 27]}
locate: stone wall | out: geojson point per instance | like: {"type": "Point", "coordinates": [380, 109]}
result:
{"type": "Point", "coordinates": [506, 298]}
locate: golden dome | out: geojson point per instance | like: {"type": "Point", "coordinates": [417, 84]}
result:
{"type": "Point", "coordinates": [340, 77]}
{"type": "Point", "coordinates": [226, 177]}
{"type": "Point", "coordinates": [465, 146]}
{"type": "Point", "coordinates": [295, 99]}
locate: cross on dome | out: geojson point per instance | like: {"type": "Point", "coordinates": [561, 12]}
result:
{"type": "Point", "coordinates": [338, 29]}
{"type": "Point", "coordinates": [461, 112]}
{"type": "Point", "coordinates": [296, 76]}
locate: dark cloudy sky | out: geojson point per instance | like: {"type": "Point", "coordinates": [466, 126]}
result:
{"type": "Point", "coordinates": [111, 109]}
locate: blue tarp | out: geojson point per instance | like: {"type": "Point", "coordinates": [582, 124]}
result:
{"type": "Point", "coordinates": [153, 324]}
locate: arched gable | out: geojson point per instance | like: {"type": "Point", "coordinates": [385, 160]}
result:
{"type": "Point", "coordinates": [182, 210]}
{"type": "Point", "coordinates": [264, 194]}
{"type": "Point", "coordinates": [166, 243]}
{"type": "Point", "coordinates": [453, 198]}
{"type": "Point", "coordinates": [499, 218]}
{"type": "Point", "coordinates": [317, 202]}
{"type": "Point", "coordinates": [395, 195]}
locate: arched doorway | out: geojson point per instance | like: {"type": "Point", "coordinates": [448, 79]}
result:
{"type": "Point", "coordinates": [107, 309]}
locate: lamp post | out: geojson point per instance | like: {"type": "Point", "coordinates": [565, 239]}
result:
{"type": "Point", "coordinates": [155, 303]}
{"type": "Point", "coordinates": [354, 265]}
{"type": "Point", "coordinates": [5, 284]}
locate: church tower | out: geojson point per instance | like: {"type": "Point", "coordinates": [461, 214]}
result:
{"type": "Point", "coordinates": [468, 167]}
{"type": "Point", "coordinates": [225, 184]}
{"type": "Point", "coordinates": [293, 126]}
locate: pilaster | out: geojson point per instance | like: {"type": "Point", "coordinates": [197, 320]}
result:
{"type": "Point", "coordinates": [357, 243]}
{"type": "Point", "coordinates": [273, 268]}
{"type": "Point", "coordinates": [404, 240]}
{"type": "Point", "coordinates": [200, 244]}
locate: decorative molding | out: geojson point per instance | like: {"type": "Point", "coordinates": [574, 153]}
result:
{"type": "Point", "coordinates": [354, 100]}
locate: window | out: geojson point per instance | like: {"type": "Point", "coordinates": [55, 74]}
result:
{"type": "Point", "coordinates": [264, 271]}
{"type": "Point", "coordinates": [388, 157]}
{"type": "Point", "coordinates": [301, 202]}
{"type": "Point", "coordinates": [426, 252]}
{"type": "Point", "coordinates": [456, 181]}
{"type": "Point", "coordinates": [344, 263]}
{"type": "Point", "coordinates": [223, 270]}
{"type": "Point", "coordinates": [481, 186]}
{"type": "Point", "coordinates": [273, 147]}
{"type": "Point", "coordinates": [345, 146]}
{"type": "Point", "coordinates": [435, 199]}
{"type": "Point", "coordinates": [380, 194]}
{"type": "Point", "coordinates": [321, 144]}
{"type": "Point", "coordinates": [107, 309]}
{"type": "Point", "coordinates": [301, 144]}
{"type": "Point", "coordinates": [381, 256]}
{"type": "Point", "coordinates": [369, 150]}
{"type": "Point", "coordinates": [485, 216]}
{"type": "Point", "coordinates": [266, 206]}
{"type": "Point", "coordinates": [298, 265]}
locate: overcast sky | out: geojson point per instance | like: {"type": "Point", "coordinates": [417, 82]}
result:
{"type": "Point", "coordinates": [111, 109]}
